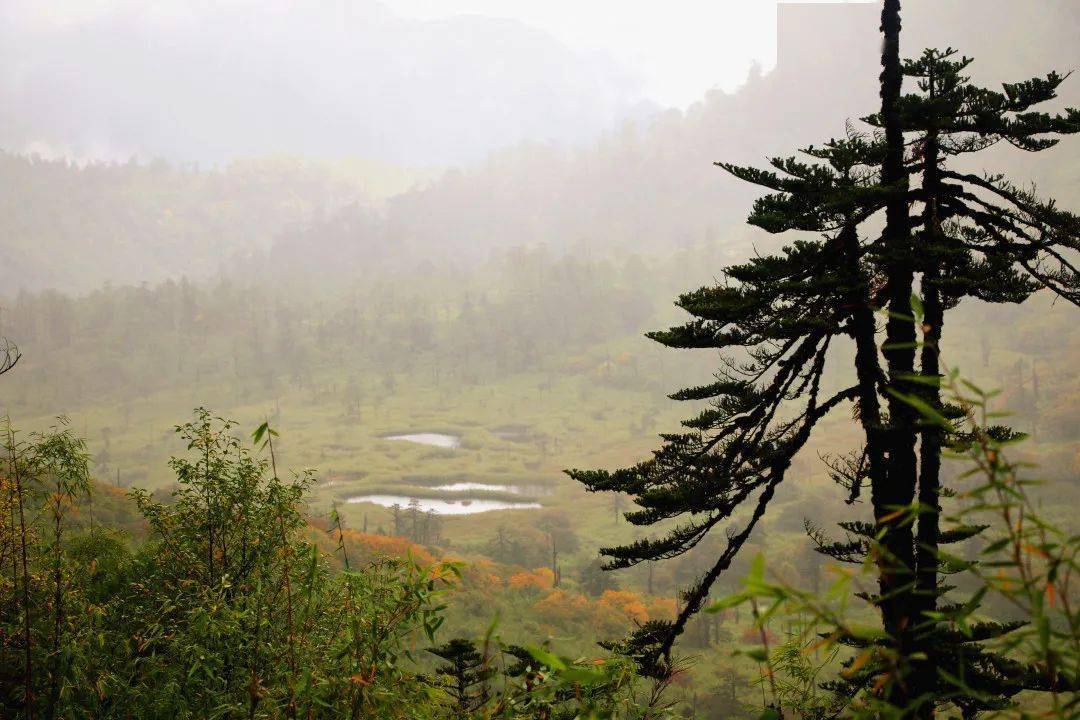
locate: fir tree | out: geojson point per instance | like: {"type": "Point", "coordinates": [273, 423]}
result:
{"type": "Point", "coordinates": [975, 236]}
{"type": "Point", "coordinates": [465, 675]}
{"type": "Point", "coordinates": [894, 486]}
{"type": "Point", "coordinates": [960, 235]}
{"type": "Point", "coordinates": [776, 320]}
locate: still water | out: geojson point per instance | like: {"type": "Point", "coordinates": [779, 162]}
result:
{"type": "Point", "coordinates": [433, 439]}
{"type": "Point", "coordinates": [464, 506]}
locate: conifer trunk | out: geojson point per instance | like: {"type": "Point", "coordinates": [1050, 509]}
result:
{"type": "Point", "coordinates": [926, 560]}
{"type": "Point", "coordinates": [896, 490]}
{"type": "Point", "coordinates": [867, 367]}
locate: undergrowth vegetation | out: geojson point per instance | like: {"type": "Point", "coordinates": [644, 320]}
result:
{"type": "Point", "coordinates": [231, 600]}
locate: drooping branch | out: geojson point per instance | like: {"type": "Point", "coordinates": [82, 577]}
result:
{"type": "Point", "coordinates": [651, 646]}
{"type": "Point", "coordinates": [9, 355]}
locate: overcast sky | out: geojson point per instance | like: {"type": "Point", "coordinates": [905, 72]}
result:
{"type": "Point", "coordinates": [210, 80]}
{"type": "Point", "coordinates": [680, 47]}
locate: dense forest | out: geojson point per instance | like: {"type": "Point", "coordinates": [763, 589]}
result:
{"type": "Point", "coordinates": [294, 437]}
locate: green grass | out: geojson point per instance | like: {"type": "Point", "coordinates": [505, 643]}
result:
{"type": "Point", "coordinates": [520, 429]}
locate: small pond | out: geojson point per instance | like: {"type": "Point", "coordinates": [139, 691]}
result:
{"type": "Point", "coordinates": [427, 438]}
{"type": "Point", "coordinates": [465, 506]}
{"type": "Point", "coordinates": [494, 487]}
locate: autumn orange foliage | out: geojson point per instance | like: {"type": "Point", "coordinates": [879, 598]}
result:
{"type": "Point", "coordinates": [662, 608]}
{"type": "Point", "coordinates": [561, 606]}
{"type": "Point", "coordinates": [111, 490]}
{"type": "Point", "coordinates": [534, 580]}
{"type": "Point", "coordinates": [371, 544]}
{"type": "Point", "coordinates": [624, 602]}
{"type": "Point", "coordinates": [482, 575]}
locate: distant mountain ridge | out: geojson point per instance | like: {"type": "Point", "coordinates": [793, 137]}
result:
{"type": "Point", "coordinates": [652, 186]}
{"type": "Point", "coordinates": [72, 228]}
{"type": "Point", "coordinates": [648, 186]}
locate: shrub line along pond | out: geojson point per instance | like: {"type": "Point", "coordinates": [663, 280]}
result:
{"type": "Point", "coordinates": [463, 505]}
{"type": "Point", "coordinates": [494, 487]}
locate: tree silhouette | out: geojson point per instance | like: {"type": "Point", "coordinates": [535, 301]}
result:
{"type": "Point", "coordinates": [9, 355]}
{"type": "Point", "coordinates": [777, 316]}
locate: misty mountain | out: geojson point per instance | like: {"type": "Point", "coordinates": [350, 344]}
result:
{"type": "Point", "coordinates": [74, 228]}
{"type": "Point", "coordinates": [652, 185]}
{"type": "Point", "coordinates": [649, 185]}
{"type": "Point", "coordinates": [212, 81]}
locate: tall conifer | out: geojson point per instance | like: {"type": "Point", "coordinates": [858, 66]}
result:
{"type": "Point", "coordinates": [958, 234]}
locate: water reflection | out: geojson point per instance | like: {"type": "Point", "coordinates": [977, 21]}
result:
{"type": "Point", "coordinates": [434, 439]}
{"type": "Point", "coordinates": [494, 487]}
{"type": "Point", "coordinates": [464, 506]}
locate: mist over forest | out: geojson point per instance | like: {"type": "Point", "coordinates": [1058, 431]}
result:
{"type": "Point", "coordinates": [326, 326]}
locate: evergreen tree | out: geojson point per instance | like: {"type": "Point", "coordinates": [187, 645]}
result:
{"type": "Point", "coordinates": [465, 675]}
{"type": "Point", "coordinates": [399, 520]}
{"type": "Point", "coordinates": [775, 320]}
{"type": "Point", "coordinates": [978, 237]}
{"type": "Point", "coordinates": [893, 484]}
{"type": "Point", "coordinates": [960, 235]}
{"type": "Point", "coordinates": [975, 236]}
